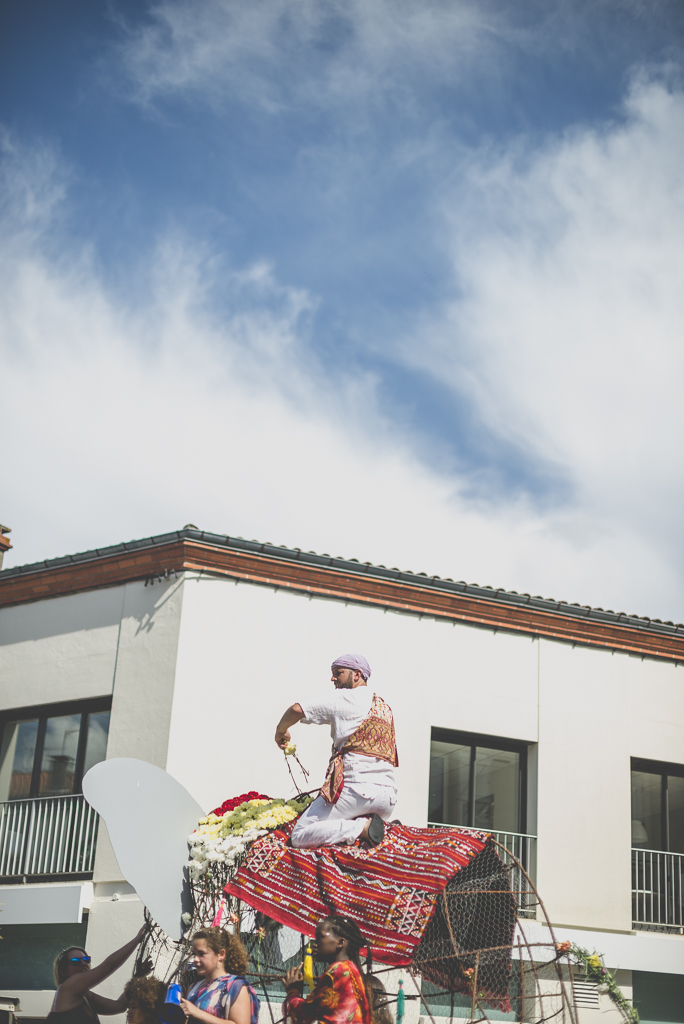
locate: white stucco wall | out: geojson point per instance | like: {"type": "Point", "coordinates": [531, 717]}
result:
{"type": "Point", "coordinates": [584, 872]}
{"type": "Point", "coordinates": [656, 710]}
{"type": "Point", "coordinates": [59, 649]}
{"type": "Point", "coordinates": [596, 711]}
{"type": "Point", "coordinates": [143, 687]}
{"type": "Point", "coordinates": [247, 652]}
{"type": "Point", "coordinates": [120, 641]}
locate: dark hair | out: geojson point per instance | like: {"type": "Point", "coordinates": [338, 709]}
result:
{"type": "Point", "coordinates": [147, 994]}
{"type": "Point", "coordinates": [59, 966]}
{"type": "Point", "coordinates": [217, 939]}
{"type": "Point", "coordinates": [345, 928]}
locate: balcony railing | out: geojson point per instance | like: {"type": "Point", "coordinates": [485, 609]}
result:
{"type": "Point", "coordinates": [658, 890]}
{"type": "Point", "coordinates": [523, 848]}
{"type": "Point", "coordinates": [52, 835]}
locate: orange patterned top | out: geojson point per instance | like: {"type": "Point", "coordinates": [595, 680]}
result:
{"type": "Point", "coordinates": [374, 737]}
{"type": "Point", "coordinates": [339, 998]}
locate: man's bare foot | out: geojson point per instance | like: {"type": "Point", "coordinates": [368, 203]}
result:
{"type": "Point", "coordinates": [364, 833]}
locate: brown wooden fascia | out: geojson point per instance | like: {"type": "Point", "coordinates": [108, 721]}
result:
{"type": "Point", "coordinates": [326, 582]}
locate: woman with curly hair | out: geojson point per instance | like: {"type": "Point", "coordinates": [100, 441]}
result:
{"type": "Point", "coordinates": [145, 998]}
{"type": "Point", "coordinates": [343, 994]}
{"type": "Point", "coordinates": [221, 960]}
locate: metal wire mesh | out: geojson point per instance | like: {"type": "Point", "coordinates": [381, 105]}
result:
{"type": "Point", "coordinates": [478, 959]}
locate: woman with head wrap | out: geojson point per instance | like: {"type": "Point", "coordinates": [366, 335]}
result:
{"type": "Point", "coordinates": [343, 994]}
{"type": "Point", "coordinates": [359, 792]}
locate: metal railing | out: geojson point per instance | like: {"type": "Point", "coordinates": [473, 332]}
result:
{"type": "Point", "coordinates": [523, 848]}
{"type": "Point", "coordinates": [658, 890]}
{"type": "Point", "coordinates": [53, 835]}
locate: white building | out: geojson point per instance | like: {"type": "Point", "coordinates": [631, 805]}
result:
{"type": "Point", "coordinates": [559, 725]}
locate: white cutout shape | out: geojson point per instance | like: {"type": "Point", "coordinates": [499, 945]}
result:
{"type": "Point", "coordinates": [149, 816]}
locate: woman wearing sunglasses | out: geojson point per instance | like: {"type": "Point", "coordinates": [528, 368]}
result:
{"type": "Point", "coordinates": [74, 1003]}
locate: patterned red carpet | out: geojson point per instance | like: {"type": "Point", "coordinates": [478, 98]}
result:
{"type": "Point", "coordinates": [390, 891]}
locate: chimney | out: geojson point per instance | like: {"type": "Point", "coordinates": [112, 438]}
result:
{"type": "Point", "coordinates": [4, 541]}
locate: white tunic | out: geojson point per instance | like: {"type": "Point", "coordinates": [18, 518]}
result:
{"type": "Point", "coordinates": [344, 711]}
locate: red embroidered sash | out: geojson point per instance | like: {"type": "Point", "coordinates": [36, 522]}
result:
{"type": "Point", "coordinates": [374, 738]}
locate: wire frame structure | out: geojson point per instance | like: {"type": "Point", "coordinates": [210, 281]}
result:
{"type": "Point", "coordinates": [478, 960]}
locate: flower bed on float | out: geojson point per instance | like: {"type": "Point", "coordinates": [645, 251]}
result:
{"type": "Point", "coordinates": [223, 836]}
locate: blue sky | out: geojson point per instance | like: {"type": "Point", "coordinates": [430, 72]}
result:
{"type": "Point", "coordinates": [395, 279]}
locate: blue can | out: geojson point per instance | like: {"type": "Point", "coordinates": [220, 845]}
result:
{"type": "Point", "coordinates": [172, 1011]}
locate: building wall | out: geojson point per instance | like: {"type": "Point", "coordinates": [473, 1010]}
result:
{"type": "Point", "coordinates": [201, 669]}
{"type": "Point", "coordinates": [143, 687]}
{"type": "Point", "coordinates": [596, 710]}
{"type": "Point", "coordinates": [247, 652]}
{"type": "Point", "coordinates": [120, 641]}
{"type": "Point", "coordinates": [63, 648]}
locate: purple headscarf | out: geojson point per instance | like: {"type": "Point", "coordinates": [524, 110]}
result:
{"type": "Point", "coordinates": [353, 661]}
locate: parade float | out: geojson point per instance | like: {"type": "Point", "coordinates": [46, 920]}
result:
{"type": "Point", "coordinates": [452, 916]}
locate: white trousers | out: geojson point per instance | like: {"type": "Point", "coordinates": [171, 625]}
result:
{"type": "Point", "coordinates": [324, 824]}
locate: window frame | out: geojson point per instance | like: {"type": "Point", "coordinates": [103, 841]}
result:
{"type": "Point", "coordinates": [664, 769]}
{"type": "Point", "coordinates": [476, 739]}
{"type": "Point", "coordinates": [42, 712]}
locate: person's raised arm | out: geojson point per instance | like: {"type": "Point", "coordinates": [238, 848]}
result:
{"type": "Point", "coordinates": [293, 715]}
{"type": "Point", "coordinates": [106, 1007]}
{"type": "Point", "coordinates": [72, 989]}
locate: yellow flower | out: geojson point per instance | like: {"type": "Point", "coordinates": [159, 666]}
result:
{"type": "Point", "coordinates": [258, 814]}
{"type": "Point", "coordinates": [594, 961]}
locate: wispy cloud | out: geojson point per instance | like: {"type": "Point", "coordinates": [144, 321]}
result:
{"type": "Point", "coordinates": [273, 53]}
{"type": "Point", "coordinates": [361, 57]}
{"type": "Point", "coordinates": [203, 400]}
{"type": "Point", "coordinates": [568, 324]}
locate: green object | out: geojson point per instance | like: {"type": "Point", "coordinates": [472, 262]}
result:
{"type": "Point", "coordinates": [401, 999]}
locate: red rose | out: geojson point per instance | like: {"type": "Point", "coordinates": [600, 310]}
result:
{"type": "Point", "coordinates": [229, 805]}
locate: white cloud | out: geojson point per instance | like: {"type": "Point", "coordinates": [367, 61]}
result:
{"type": "Point", "coordinates": [275, 55]}
{"type": "Point", "coordinates": [272, 53]}
{"type": "Point", "coordinates": [568, 324]}
{"type": "Point", "coordinates": [126, 420]}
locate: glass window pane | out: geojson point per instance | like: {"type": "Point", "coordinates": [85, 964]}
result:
{"type": "Point", "coordinates": [647, 832]}
{"type": "Point", "coordinates": [16, 759]}
{"type": "Point", "coordinates": [58, 766]}
{"type": "Point", "coordinates": [96, 743]}
{"type": "Point", "coordinates": [675, 802]}
{"type": "Point", "coordinates": [449, 780]}
{"type": "Point", "coordinates": [497, 790]}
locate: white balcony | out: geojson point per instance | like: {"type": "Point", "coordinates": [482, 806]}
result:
{"type": "Point", "coordinates": [657, 890]}
{"type": "Point", "coordinates": [52, 835]}
{"type": "Point", "coordinates": [517, 847]}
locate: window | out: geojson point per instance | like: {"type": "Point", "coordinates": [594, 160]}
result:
{"type": "Point", "coordinates": [657, 806]}
{"type": "Point", "coordinates": [658, 997]}
{"type": "Point", "coordinates": [477, 781]}
{"type": "Point", "coordinates": [47, 751]}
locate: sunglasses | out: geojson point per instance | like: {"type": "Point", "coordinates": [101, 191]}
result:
{"type": "Point", "coordinates": [78, 959]}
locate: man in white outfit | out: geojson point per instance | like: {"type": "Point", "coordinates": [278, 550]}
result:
{"type": "Point", "coordinates": [359, 792]}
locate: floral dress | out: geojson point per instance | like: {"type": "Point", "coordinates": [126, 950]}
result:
{"type": "Point", "coordinates": [217, 997]}
{"type": "Point", "coordinates": [339, 998]}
